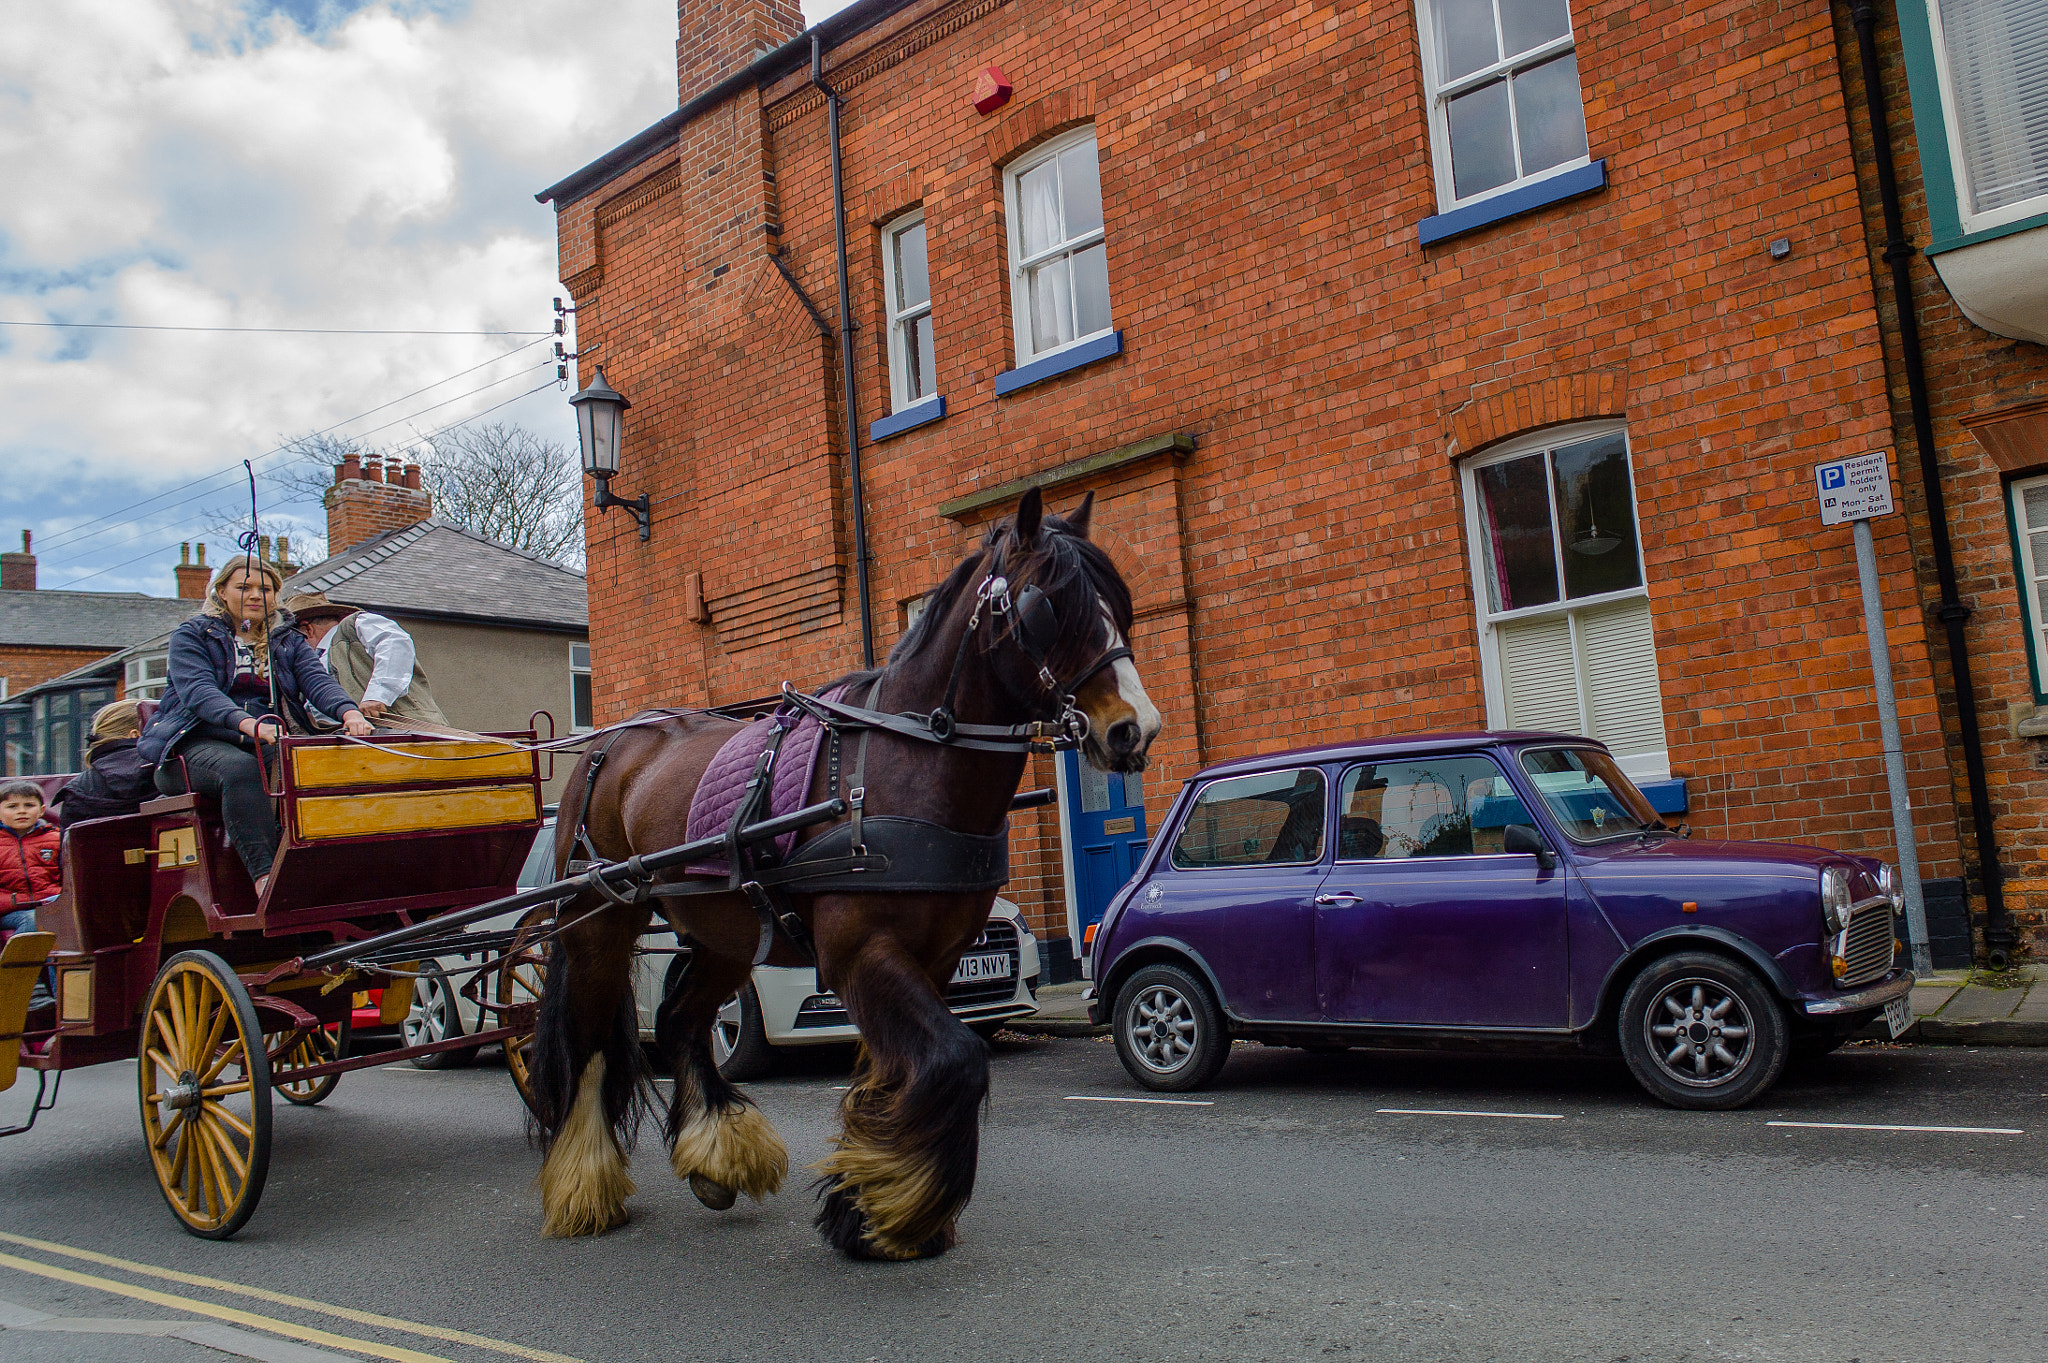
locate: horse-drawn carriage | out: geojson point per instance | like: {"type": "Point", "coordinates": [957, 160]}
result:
{"type": "Point", "coordinates": [162, 952]}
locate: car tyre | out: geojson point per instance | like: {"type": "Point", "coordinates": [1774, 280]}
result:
{"type": "Point", "coordinates": [739, 1043]}
{"type": "Point", "coordinates": [1701, 1031]}
{"type": "Point", "coordinates": [434, 1016]}
{"type": "Point", "coordinates": [1169, 1031]}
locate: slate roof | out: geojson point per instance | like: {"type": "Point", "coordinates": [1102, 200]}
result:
{"type": "Point", "coordinates": [107, 620]}
{"type": "Point", "coordinates": [441, 571]}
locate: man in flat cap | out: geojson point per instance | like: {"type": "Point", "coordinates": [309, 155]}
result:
{"type": "Point", "coordinates": [372, 658]}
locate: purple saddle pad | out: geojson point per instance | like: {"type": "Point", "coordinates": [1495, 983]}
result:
{"type": "Point", "coordinates": [725, 782]}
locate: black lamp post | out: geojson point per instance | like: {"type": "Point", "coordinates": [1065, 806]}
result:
{"type": "Point", "coordinates": [600, 425]}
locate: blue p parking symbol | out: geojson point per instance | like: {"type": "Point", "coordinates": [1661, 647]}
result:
{"type": "Point", "coordinates": [1833, 476]}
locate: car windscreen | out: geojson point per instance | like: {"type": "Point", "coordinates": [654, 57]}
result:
{"type": "Point", "coordinates": [1273, 818]}
{"type": "Point", "coordinates": [1587, 793]}
{"type": "Point", "coordinates": [540, 861]}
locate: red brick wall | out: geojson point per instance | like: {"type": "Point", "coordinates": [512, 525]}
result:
{"type": "Point", "coordinates": [1971, 374]}
{"type": "Point", "coordinates": [1303, 573]}
{"type": "Point", "coordinates": [362, 507]}
{"type": "Point", "coordinates": [26, 667]}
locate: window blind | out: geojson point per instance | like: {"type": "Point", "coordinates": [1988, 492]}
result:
{"type": "Point", "coordinates": [1997, 53]}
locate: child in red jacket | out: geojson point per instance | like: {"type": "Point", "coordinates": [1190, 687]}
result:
{"type": "Point", "coordinates": [31, 865]}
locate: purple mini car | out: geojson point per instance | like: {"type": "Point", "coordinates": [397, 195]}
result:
{"type": "Point", "coordinates": [1487, 890]}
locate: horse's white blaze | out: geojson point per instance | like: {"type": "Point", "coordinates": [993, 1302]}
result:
{"type": "Point", "coordinates": [1132, 691]}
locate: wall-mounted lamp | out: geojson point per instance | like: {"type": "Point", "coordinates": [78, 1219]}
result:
{"type": "Point", "coordinates": [600, 424]}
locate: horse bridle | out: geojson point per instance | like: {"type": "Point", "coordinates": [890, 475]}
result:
{"type": "Point", "coordinates": [1035, 626]}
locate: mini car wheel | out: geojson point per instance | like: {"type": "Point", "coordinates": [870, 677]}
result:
{"type": "Point", "coordinates": [435, 1016]}
{"type": "Point", "coordinates": [739, 1043]}
{"type": "Point", "coordinates": [1169, 1032]}
{"type": "Point", "coordinates": [1700, 1031]}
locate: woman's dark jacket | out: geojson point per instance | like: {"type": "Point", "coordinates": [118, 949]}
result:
{"type": "Point", "coordinates": [117, 783]}
{"type": "Point", "coordinates": [202, 668]}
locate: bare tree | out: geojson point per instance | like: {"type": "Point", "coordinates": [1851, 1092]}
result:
{"type": "Point", "coordinates": [506, 482]}
{"type": "Point", "coordinates": [499, 480]}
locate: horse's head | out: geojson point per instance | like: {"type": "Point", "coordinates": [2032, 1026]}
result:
{"type": "Point", "coordinates": [1071, 618]}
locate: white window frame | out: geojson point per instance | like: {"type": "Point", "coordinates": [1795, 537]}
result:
{"type": "Point", "coordinates": [1959, 165]}
{"type": "Point", "coordinates": [1020, 294]}
{"type": "Point", "coordinates": [899, 351]}
{"type": "Point", "coordinates": [137, 684]}
{"type": "Point", "coordinates": [1438, 96]}
{"type": "Point", "coordinates": [2030, 615]}
{"type": "Point", "coordinates": [1654, 766]}
{"type": "Point", "coordinates": [574, 673]}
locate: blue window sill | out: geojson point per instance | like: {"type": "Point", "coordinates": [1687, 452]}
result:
{"type": "Point", "coordinates": [909, 419]}
{"type": "Point", "coordinates": [1038, 371]}
{"type": "Point", "coordinates": [1514, 203]}
{"type": "Point", "coordinates": [1666, 797]}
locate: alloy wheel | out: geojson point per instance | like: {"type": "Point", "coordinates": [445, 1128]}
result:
{"type": "Point", "coordinates": [1161, 1028]}
{"type": "Point", "coordinates": [1699, 1032]}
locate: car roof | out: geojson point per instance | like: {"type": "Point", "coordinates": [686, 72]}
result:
{"type": "Point", "coordinates": [1403, 745]}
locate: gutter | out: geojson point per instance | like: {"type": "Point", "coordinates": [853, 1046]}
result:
{"type": "Point", "coordinates": [650, 141]}
{"type": "Point", "coordinates": [1953, 614]}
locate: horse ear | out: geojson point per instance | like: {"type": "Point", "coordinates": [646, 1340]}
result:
{"type": "Point", "coordinates": [1030, 511]}
{"type": "Point", "coordinates": [1077, 519]}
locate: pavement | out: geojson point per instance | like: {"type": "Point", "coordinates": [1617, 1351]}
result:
{"type": "Point", "coordinates": [1948, 1008]}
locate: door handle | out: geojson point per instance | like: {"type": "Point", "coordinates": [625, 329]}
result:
{"type": "Point", "coordinates": [1343, 899]}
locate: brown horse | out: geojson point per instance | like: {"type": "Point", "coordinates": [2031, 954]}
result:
{"type": "Point", "coordinates": [904, 1162]}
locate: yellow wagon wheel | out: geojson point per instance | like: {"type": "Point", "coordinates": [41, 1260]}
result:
{"type": "Point", "coordinates": [316, 1047]}
{"type": "Point", "coordinates": [204, 1083]}
{"type": "Point", "coordinates": [522, 974]}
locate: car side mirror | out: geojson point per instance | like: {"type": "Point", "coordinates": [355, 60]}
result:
{"type": "Point", "coordinates": [1518, 838]}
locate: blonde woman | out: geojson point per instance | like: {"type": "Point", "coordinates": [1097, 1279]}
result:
{"type": "Point", "coordinates": [218, 705]}
{"type": "Point", "coordinates": [116, 782]}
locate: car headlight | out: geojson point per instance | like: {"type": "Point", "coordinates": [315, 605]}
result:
{"type": "Point", "coordinates": [1834, 897]}
{"type": "Point", "coordinates": [1888, 886]}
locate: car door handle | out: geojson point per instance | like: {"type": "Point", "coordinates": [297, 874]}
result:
{"type": "Point", "coordinates": [1343, 899]}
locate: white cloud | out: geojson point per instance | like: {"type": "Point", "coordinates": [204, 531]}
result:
{"type": "Point", "coordinates": [215, 163]}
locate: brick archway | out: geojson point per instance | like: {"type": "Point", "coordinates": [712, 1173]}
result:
{"type": "Point", "coordinates": [1487, 419]}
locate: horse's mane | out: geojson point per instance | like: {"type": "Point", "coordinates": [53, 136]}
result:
{"type": "Point", "coordinates": [1073, 571]}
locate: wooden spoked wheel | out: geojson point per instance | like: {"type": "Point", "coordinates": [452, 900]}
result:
{"type": "Point", "coordinates": [204, 1084]}
{"type": "Point", "coordinates": [522, 974]}
{"type": "Point", "coordinates": [316, 1047]}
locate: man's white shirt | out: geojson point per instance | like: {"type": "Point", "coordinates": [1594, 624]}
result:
{"type": "Point", "coordinates": [391, 652]}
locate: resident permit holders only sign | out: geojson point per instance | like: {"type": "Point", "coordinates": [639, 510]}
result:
{"type": "Point", "coordinates": [1854, 489]}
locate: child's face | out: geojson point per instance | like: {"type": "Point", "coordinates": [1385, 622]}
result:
{"type": "Point", "coordinates": [20, 813]}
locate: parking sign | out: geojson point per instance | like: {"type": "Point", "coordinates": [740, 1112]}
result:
{"type": "Point", "coordinates": [1854, 489]}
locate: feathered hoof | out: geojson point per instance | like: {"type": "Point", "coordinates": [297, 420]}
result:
{"type": "Point", "coordinates": [845, 1227]}
{"type": "Point", "coordinates": [583, 1182]}
{"type": "Point", "coordinates": [736, 1149]}
{"type": "Point", "coordinates": [713, 1194]}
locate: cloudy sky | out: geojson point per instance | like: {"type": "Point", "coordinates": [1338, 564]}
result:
{"type": "Point", "coordinates": [243, 176]}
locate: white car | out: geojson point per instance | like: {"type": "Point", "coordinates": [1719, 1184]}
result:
{"type": "Point", "coordinates": [996, 981]}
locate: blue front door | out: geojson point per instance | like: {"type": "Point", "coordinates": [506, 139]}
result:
{"type": "Point", "coordinates": [1106, 829]}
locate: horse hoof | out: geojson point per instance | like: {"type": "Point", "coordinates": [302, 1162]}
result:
{"type": "Point", "coordinates": [711, 1193]}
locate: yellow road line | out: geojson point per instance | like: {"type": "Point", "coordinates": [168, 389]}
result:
{"type": "Point", "coordinates": [441, 1332]}
{"type": "Point", "coordinates": [228, 1313]}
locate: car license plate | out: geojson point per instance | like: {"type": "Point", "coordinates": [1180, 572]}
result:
{"type": "Point", "coordinates": [994, 967]}
{"type": "Point", "coordinates": [1898, 1015]}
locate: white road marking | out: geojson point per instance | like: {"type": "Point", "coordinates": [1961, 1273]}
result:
{"type": "Point", "coordinates": [1457, 1112]}
{"type": "Point", "coordinates": [1877, 1126]}
{"type": "Point", "coordinates": [1164, 1102]}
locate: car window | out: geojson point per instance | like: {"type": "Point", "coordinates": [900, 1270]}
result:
{"type": "Point", "coordinates": [540, 862]}
{"type": "Point", "coordinates": [1274, 818]}
{"type": "Point", "coordinates": [1424, 807]}
{"type": "Point", "coordinates": [1587, 793]}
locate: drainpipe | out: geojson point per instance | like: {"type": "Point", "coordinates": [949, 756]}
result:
{"type": "Point", "coordinates": [847, 327]}
{"type": "Point", "coordinates": [1898, 252]}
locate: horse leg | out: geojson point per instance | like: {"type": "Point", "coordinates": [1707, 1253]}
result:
{"type": "Point", "coordinates": [905, 1159]}
{"type": "Point", "coordinates": [718, 1139]}
{"type": "Point", "coordinates": [588, 1076]}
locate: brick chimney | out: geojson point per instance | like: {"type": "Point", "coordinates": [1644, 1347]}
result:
{"type": "Point", "coordinates": [715, 38]}
{"type": "Point", "coordinates": [192, 577]}
{"type": "Point", "coordinates": [371, 498]}
{"type": "Point", "coordinates": [18, 571]}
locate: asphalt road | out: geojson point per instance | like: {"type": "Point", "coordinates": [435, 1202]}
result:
{"type": "Point", "coordinates": [1292, 1218]}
